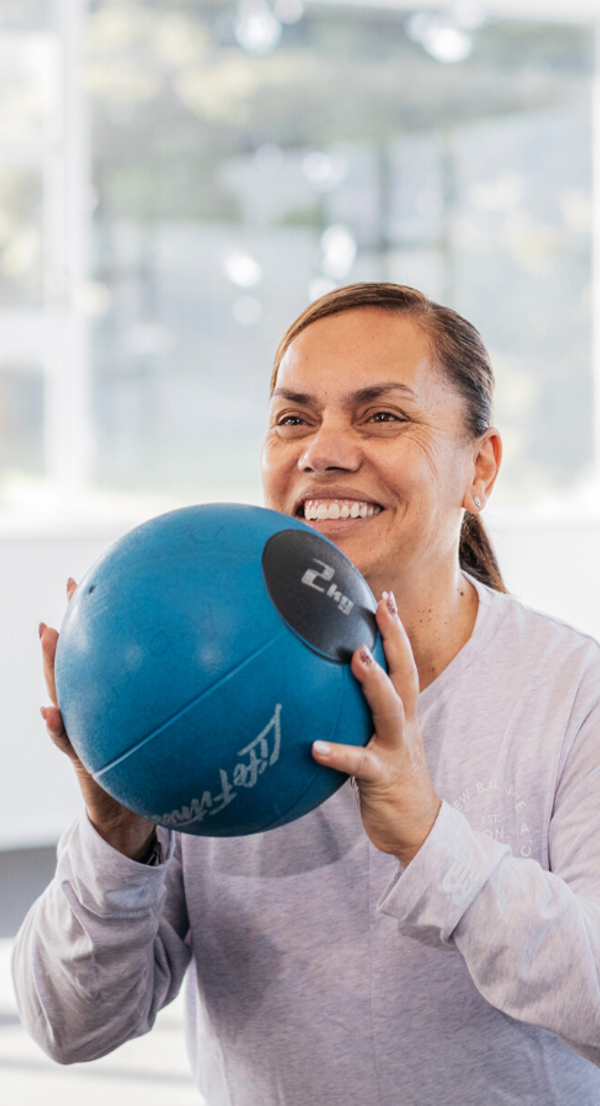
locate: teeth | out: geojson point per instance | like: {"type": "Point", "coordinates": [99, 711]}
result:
{"type": "Point", "coordinates": [321, 510]}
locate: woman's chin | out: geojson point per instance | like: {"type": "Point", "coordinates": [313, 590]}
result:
{"type": "Point", "coordinates": [362, 544]}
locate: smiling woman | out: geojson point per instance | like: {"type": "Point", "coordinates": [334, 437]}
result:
{"type": "Point", "coordinates": [439, 940]}
{"type": "Point", "coordinates": [454, 346]}
{"type": "Point", "coordinates": [380, 437]}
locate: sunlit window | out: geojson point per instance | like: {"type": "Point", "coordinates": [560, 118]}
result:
{"type": "Point", "coordinates": [244, 159]}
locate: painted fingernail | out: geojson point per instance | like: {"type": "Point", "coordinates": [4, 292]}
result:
{"type": "Point", "coordinates": [366, 655]}
{"type": "Point", "coordinates": [322, 747]}
{"type": "Point", "coordinates": [392, 606]}
{"type": "Point", "coordinates": [41, 628]}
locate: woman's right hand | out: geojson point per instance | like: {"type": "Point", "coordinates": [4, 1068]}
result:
{"type": "Point", "coordinates": [125, 831]}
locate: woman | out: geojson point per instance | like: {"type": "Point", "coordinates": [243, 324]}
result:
{"type": "Point", "coordinates": [450, 953]}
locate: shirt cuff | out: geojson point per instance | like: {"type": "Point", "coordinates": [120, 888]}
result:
{"type": "Point", "coordinates": [104, 880]}
{"type": "Point", "coordinates": [430, 896]}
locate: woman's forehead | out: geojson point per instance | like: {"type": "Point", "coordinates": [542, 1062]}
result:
{"type": "Point", "coordinates": [359, 349]}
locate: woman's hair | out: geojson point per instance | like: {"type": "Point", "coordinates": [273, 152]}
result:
{"type": "Point", "coordinates": [466, 362]}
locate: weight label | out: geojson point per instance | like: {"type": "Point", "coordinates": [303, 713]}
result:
{"type": "Point", "coordinates": [262, 753]}
{"type": "Point", "coordinates": [332, 592]}
{"type": "Point", "coordinates": [319, 593]}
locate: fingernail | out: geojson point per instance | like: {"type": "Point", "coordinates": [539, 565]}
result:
{"type": "Point", "coordinates": [392, 606]}
{"type": "Point", "coordinates": [70, 582]}
{"type": "Point", "coordinates": [322, 747]}
{"type": "Point", "coordinates": [43, 713]}
{"type": "Point", "coordinates": [366, 655]}
{"type": "Point", "coordinates": [41, 628]}
{"type": "Point", "coordinates": [384, 594]}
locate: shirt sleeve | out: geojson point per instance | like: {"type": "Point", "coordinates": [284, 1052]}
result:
{"type": "Point", "coordinates": [530, 937]}
{"type": "Point", "coordinates": [103, 949]}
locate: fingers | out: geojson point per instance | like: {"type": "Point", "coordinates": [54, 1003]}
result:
{"type": "Point", "coordinates": [49, 640]}
{"type": "Point", "coordinates": [398, 653]}
{"type": "Point", "coordinates": [56, 728]}
{"type": "Point", "coordinates": [388, 719]}
{"type": "Point", "coordinates": [385, 703]}
{"type": "Point", "coordinates": [51, 715]}
{"type": "Point", "coordinates": [392, 698]}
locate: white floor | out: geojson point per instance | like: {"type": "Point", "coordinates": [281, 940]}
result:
{"type": "Point", "coordinates": [152, 1070]}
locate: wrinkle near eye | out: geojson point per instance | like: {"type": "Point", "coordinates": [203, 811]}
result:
{"type": "Point", "coordinates": [432, 445]}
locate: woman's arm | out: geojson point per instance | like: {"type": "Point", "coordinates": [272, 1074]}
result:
{"type": "Point", "coordinates": [530, 938]}
{"type": "Point", "coordinates": [104, 947]}
{"type": "Point", "coordinates": [125, 831]}
{"type": "Point", "coordinates": [102, 950]}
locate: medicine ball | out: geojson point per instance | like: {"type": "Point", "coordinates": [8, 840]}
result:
{"type": "Point", "coordinates": [203, 654]}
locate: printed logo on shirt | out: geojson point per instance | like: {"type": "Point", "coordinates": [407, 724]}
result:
{"type": "Point", "coordinates": [506, 824]}
{"type": "Point", "coordinates": [462, 877]}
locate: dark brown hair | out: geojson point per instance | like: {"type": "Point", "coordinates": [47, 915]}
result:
{"type": "Point", "coordinates": [466, 362]}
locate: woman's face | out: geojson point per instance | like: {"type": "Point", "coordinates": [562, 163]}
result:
{"type": "Point", "coordinates": [363, 423]}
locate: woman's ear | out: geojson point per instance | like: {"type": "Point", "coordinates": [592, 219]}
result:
{"type": "Point", "coordinates": [487, 458]}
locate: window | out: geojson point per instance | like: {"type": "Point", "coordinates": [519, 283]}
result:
{"type": "Point", "coordinates": [244, 158]}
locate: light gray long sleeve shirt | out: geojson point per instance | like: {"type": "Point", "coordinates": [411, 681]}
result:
{"type": "Point", "coordinates": [320, 971]}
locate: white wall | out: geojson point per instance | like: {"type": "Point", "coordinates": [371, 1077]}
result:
{"type": "Point", "coordinates": [554, 567]}
{"type": "Point", "coordinates": [39, 794]}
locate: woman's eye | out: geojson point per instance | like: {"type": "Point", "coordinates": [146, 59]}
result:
{"type": "Point", "coordinates": [386, 416]}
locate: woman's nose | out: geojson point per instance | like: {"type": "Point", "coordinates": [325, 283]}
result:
{"type": "Point", "coordinates": [330, 448]}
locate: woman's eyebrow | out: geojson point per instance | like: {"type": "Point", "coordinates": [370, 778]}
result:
{"type": "Point", "coordinates": [378, 390]}
{"type": "Point", "coordinates": [292, 397]}
{"type": "Point", "coordinates": [364, 395]}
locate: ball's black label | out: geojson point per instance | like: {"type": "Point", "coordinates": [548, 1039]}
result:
{"type": "Point", "coordinates": [319, 593]}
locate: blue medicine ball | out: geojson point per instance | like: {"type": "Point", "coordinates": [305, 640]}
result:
{"type": "Point", "coordinates": [203, 654]}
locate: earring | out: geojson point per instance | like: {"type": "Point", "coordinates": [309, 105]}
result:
{"type": "Point", "coordinates": [477, 501]}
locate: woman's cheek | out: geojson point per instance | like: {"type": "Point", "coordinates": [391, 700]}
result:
{"type": "Point", "coordinates": [277, 465]}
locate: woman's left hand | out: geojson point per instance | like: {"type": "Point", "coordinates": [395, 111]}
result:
{"type": "Point", "coordinates": [398, 802]}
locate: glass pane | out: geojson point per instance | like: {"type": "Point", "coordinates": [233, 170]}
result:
{"type": "Point", "coordinates": [243, 167]}
{"type": "Point", "coordinates": [21, 431]}
{"type": "Point", "coordinates": [522, 240]}
{"type": "Point", "coordinates": [28, 62]}
{"type": "Point", "coordinates": [21, 235]}
{"type": "Point", "coordinates": [495, 218]}
{"type": "Point", "coordinates": [24, 14]}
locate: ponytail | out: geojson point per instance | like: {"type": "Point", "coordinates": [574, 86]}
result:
{"type": "Point", "coordinates": [476, 555]}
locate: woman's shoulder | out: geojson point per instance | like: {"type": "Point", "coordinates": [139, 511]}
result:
{"type": "Point", "coordinates": [525, 630]}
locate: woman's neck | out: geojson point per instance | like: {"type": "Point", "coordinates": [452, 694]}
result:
{"type": "Point", "coordinates": [438, 611]}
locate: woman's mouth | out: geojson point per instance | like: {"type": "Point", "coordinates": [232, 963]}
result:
{"type": "Point", "coordinates": [323, 510]}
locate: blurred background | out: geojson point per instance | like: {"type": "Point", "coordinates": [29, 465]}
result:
{"type": "Point", "coordinates": [178, 179]}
